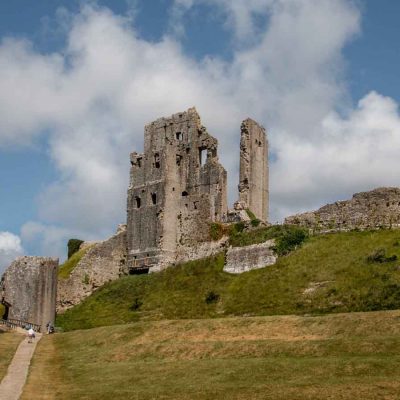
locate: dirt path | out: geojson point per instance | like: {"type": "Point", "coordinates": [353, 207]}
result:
{"type": "Point", "coordinates": [12, 384]}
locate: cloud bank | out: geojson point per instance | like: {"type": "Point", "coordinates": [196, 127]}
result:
{"type": "Point", "coordinates": [93, 97]}
{"type": "Point", "coordinates": [10, 248]}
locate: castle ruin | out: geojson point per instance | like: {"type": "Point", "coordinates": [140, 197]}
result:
{"type": "Point", "coordinates": [178, 188]}
{"type": "Point", "coordinates": [253, 175]}
{"type": "Point", "coordinates": [28, 290]}
{"type": "Point", "coordinates": [378, 208]}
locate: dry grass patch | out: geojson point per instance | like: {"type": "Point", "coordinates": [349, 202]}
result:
{"type": "Point", "coordinates": [342, 356]}
{"type": "Point", "coordinates": [9, 342]}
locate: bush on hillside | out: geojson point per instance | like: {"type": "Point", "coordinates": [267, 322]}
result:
{"type": "Point", "coordinates": [379, 256]}
{"type": "Point", "coordinates": [290, 240]}
{"type": "Point", "coordinates": [73, 246]}
{"type": "Point", "coordinates": [212, 297]}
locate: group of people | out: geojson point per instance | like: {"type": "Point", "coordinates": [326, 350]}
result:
{"type": "Point", "coordinates": [32, 333]}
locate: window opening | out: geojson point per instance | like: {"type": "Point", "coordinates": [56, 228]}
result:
{"type": "Point", "coordinates": [179, 136]}
{"type": "Point", "coordinates": [138, 201]}
{"type": "Point", "coordinates": [202, 156]}
{"type": "Point", "coordinates": [185, 193]}
{"type": "Point", "coordinates": [154, 198]}
{"type": "Point", "coordinates": [157, 160]}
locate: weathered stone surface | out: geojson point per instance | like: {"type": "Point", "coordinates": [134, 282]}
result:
{"type": "Point", "coordinates": [253, 175]}
{"type": "Point", "coordinates": [177, 188]}
{"type": "Point", "coordinates": [103, 262]}
{"type": "Point", "coordinates": [29, 289]}
{"type": "Point", "coordinates": [366, 210]}
{"type": "Point", "coordinates": [242, 259]}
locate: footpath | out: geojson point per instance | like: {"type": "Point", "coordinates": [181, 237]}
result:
{"type": "Point", "coordinates": [13, 383]}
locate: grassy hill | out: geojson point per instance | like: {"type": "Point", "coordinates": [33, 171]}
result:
{"type": "Point", "coordinates": [342, 272]}
{"type": "Point", "coordinates": [9, 342]}
{"type": "Point", "coordinates": [337, 356]}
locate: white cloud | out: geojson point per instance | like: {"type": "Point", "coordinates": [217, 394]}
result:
{"type": "Point", "coordinates": [95, 96]}
{"type": "Point", "coordinates": [10, 248]}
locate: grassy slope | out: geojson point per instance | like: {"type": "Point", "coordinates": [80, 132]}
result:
{"type": "Point", "coordinates": [65, 269]}
{"type": "Point", "coordinates": [350, 283]}
{"type": "Point", "coordinates": [338, 356]}
{"type": "Point", "coordinates": [9, 342]}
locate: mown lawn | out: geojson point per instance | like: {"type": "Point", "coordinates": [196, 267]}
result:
{"type": "Point", "coordinates": [337, 356]}
{"type": "Point", "coordinates": [343, 272]}
{"type": "Point", "coordinates": [9, 342]}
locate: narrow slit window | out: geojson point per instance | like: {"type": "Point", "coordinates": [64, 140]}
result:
{"type": "Point", "coordinates": [202, 156]}
{"type": "Point", "coordinates": [157, 160]}
{"type": "Point", "coordinates": [138, 201]}
{"type": "Point", "coordinates": [154, 198]}
{"type": "Point", "coordinates": [179, 136]}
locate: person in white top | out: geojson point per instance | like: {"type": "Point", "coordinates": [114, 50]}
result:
{"type": "Point", "coordinates": [31, 335]}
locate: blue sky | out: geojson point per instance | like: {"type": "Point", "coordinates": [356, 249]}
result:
{"type": "Point", "coordinates": [79, 79]}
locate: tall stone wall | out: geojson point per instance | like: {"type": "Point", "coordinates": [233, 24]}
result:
{"type": "Point", "coordinates": [366, 210]}
{"type": "Point", "coordinates": [177, 187]}
{"type": "Point", "coordinates": [253, 175]}
{"type": "Point", "coordinates": [29, 289]}
{"type": "Point", "coordinates": [103, 262]}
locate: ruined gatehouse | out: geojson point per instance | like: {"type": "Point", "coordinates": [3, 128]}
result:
{"type": "Point", "coordinates": [178, 188]}
{"type": "Point", "coordinates": [28, 290]}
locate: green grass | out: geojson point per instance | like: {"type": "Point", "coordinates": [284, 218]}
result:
{"type": "Point", "coordinates": [342, 356]}
{"type": "Point", "coordinates": [9, 342]}
{"type": "Point", "coordinates": [65, 269]}
{"type": "Point", "coordinates": [328, 273]}
{"type": "Point", "coordinates": [2, 310]}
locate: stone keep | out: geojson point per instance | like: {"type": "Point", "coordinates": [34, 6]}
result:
{"type": "Point", "coordinates": [29, 289]}
{"type": "Point", "coordinates": [177, 187]}
{"type": "Point", "coordinates": [253, 174]}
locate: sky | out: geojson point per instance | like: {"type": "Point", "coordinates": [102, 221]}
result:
{"type": "Point", "coordinates": [80, 79]}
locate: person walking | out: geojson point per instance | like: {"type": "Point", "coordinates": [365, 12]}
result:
{"type": "Point", "coordinates": [31, 335]}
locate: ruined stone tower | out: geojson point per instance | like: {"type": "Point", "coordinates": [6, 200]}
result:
{"type": "Point", "coordinates": [177, 187]}
{"type": "Point", "coordinates": [253, 175]}
{"type": "Point", "coordinates": [29, 290]}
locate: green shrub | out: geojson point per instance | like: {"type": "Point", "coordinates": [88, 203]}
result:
{"type": "Point", "coordinates": [137, 303]}
{"type": "Point", "coordinates": [290, 240]}
{"type": "Point", "coordinates": [73, 246]}
{"type": "Point", "coordinates": [212, 297]}
{"type": "Point", "coordinates": [216, 231]}
{"type": "Point", "coordinates": [379, 256]}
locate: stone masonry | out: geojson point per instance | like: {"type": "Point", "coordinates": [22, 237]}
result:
{"type": "Point", "coordinates": [253, 179]}
{"type": "Point", "coordinates": [366, 210]}
{"type": "Point", "coordinates": [29, 290]}
{"type": "Point", "coordinates": [247, 258]}
{"type": "Point", "coordinates": [177, 188]}
{"type": "Point", "coordinates": [103, 262]}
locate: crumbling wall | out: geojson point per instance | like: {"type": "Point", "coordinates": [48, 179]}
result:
{"type": "Point", "coordinates": [379, 208]}
{"type": "Point", "coordinates": [247, 258]}
{"type": "Point", "coordinates": [253, 174]}
{"type": "Point", "coordinates": [29, 289]}
{"type": "Point", "coordinates": [177, 187]}
{"type": "Point", "coordinates": [103, 262]}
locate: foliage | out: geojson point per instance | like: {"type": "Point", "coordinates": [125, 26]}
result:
{"type": "Point", "coordinates": [338, 260]}
{"type": "Point", "coordinates": [217, 231]}
{"type": "Point", "coordinates": [290, 236]}
{"type": "Point", "coordinates": [212, 297]}
{"type": "Point", "coordinates": [64, 271]}
{"type": "Point", "coordinates": [73, 246]}
{"type": "Point", "coordinates": [289, 240]}
{"type": "Point", "coordinates": [2, 310]}
{"type": "Point", "coordinates": [379, 256]}
{"type": "Point", "coordinates": [254, 221]}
